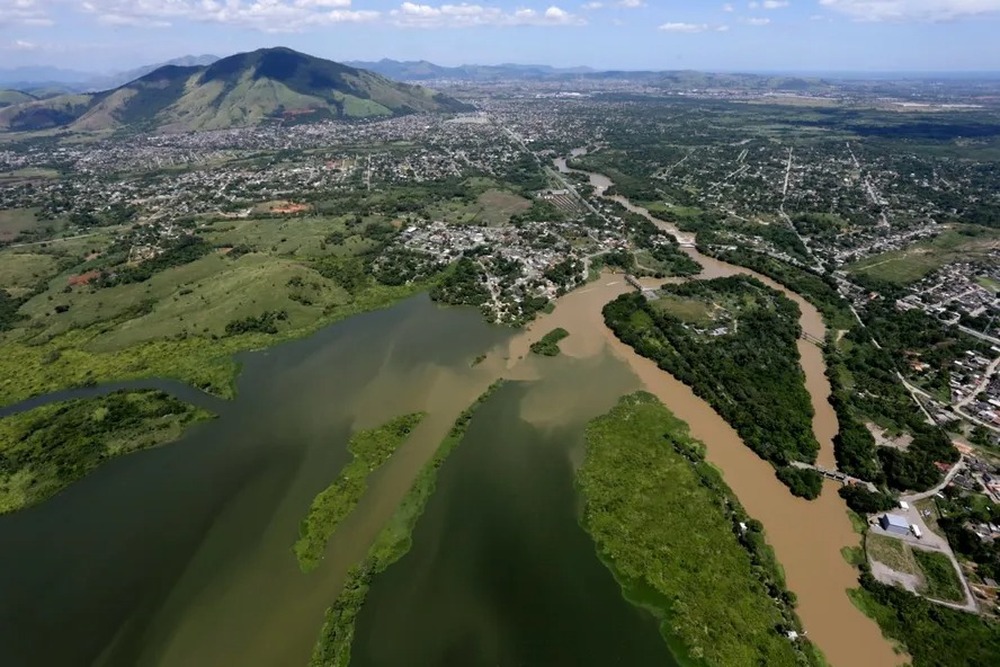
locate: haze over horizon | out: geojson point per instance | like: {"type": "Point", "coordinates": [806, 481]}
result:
{"type": "Point", "coordinates": [781, 35]}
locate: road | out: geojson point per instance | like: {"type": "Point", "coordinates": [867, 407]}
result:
{"type": "Point", "coordinates": [980, 335]}
{"type": "Point", "coordinates": [914, 497]}
{"type": "Point", "coordinates": [990, 370]}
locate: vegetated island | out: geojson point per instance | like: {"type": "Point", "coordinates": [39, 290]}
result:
{"type": "Point", "coordinates": [370, 449]}
{"type": "Point", "coordinates": [716, 588]}
{"type": "Point", "coordinates": [333, 648]}
{"type": "Point", "coordinates": [548, 346]}
{"type": "Point", "coordinates": [733, 341]}
{"type": "Point", "coordinates": [46, 449]}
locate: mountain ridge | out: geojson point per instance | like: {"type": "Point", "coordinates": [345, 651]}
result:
{"type": "Point", "coordinates": [267, 85]}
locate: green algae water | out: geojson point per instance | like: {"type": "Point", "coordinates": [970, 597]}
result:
{"type": "Point", "coordinates": [500, 572]}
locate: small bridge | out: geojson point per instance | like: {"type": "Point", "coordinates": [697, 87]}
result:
{"type": "Point", "coordinates": [835, 475]}
{"type": "Point", "coordinates": [812, 339]}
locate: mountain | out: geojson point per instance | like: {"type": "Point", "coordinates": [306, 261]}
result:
{"type": "Point", "coordinates": [122, 78]}
{"type": "Point", "coordinates": [267, 85]}
{"type": "Point", "coordinates": [421, 70]}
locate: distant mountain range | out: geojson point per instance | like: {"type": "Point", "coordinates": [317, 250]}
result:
{"type": "Point", "coordinates": [421, 70]}
{"type": "Point", "coordinates": [275, 84]}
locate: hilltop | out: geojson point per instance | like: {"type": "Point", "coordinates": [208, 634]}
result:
{"type": "Point", "coordinates": [276, 84]}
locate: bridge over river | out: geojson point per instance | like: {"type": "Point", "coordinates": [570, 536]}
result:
{"type": "Point", "coordinates": [835, 475]}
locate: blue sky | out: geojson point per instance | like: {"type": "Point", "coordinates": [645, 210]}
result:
{"type": "Point", "coordinates": [793, 35]}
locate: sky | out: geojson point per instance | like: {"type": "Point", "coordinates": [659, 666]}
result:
{"type": "Point", "coordinates": [764, 35]}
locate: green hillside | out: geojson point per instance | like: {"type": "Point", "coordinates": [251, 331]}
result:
{"type": "Point", "coordinates": [9, 97]}
{"type": "Point", "coordinates": [268, 85]}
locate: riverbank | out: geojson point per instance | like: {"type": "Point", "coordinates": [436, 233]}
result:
{"type": "Point", "coordinates": [44, 450]}
{"type": "Point", "coordinates": [369, 449]}
{"type": "Point", "coordinates": [333, 648]}
{"type": "Point", "coordinates": [206, 363]}
{"type": "Point", "coordinates": [717, 590]}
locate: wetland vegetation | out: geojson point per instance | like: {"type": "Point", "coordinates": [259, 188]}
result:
{"type": "Point", "coordinates": [714, 584]}
{"type": "Point", "coordinates": [548, 345]}
{"type": "Point", "coordinates": [369, 450]}
{"type": "Point", "coordinates": [45, 449]}
{"type": "Point", "coordinates": [333, 648]}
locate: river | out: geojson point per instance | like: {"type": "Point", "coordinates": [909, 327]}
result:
{"type": "Point", "coordinates": [181, 555]}
{"type": "Point", "coordinates": [807, 535]}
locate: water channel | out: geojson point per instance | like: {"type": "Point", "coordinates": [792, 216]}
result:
{"type": "Point", "coordinates": [181, 555]}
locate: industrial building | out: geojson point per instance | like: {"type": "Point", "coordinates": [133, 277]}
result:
{"type": "Point", "coordinates": [893, 523]}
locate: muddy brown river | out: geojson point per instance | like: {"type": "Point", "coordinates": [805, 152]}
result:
{"type": "Point", "coordinates": [807, 535]}
{"type": "Point", "coordinates": [181, 556]}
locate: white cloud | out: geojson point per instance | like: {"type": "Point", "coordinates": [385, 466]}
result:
{"type": "Point", "coordinates": [265, 15]}
{"type": "Point", "coordinates": [912, 10]}
{"type": "Point", "coordinates": [774, 4]}
{"type": "Point", "coordinates": [728, 7]}
{"type": "Point", "coordinates": [592, 6]}
{"type": "Point", "coordinates": [757, 21]}
{"type": "Point", "coordinates": [684, 27]}
{"type": "Point", "coordinates": [631, 4]}
{"type": "Point", "coordinates": [465, 15]}
{"type": "Point", "coordinates": [24, 12]}
{"type": "Point", "coordinates": [20, 45]}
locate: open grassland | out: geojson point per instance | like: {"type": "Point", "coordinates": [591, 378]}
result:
{"type": "Point", "coordinates": [298, 237]}
{"type": "Point", "coordinates": [903, 267]}
{"type": "Point", "coordinates": [493, 207]}
{"type": "Point", "coordinates": [940, 579]}
{"type": "Point", "coordinates": [15, 221]}
{"type": "Point", "coordinates": [369, 449]}
{"type": "Point", "coordinates": [891, 552]}
{"type": "Point", "coordinates": [644, 480]}
{"type": "Point", "coordinates": [46, 449]}
{"type": "Point", "coordinates": [333, 648]}
{"type": "Point", "coordinates": [692, 311]}
{"type": "Point", "coordinates": [69, 359]}
{"type": "Point", "coordinates": [22, 271]}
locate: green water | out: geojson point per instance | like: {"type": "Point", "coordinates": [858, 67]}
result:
{"type": "Point", "coordinates": [181, 556]}
{"type": "Point", "coordinates": [500, 573]}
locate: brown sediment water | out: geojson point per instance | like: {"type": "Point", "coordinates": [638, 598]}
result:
{"type": "Point", "coordinates": [807, 535]}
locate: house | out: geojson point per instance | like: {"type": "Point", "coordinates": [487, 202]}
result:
{"type": "Point", "coordinates": [895, 524]}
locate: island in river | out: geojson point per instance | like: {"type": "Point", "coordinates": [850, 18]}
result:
{"type": "Point", "coordinates": [228, 500]}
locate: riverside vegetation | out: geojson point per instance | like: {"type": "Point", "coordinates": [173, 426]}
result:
{"type": "Point", "coordinates": [333, 648]}
{"type": "Point", "coordinates": [548, 346]}
{"type": "Point", "coordinates": [733, 341]}
{"type": "Point", "coordinates": [369, 449]}
{"type": "Point", "coordinates": [717, 591]}
{"type": "Point", "coordinates": [44, 450]}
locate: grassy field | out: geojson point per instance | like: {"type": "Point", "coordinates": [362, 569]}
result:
{"type": "Point", "coordinates": [959, 242]}
{"type": "Point", "coordinates": [14, 221]}
{"type": "Point", "coordinates": [693, 311]}
{"type": "Point", "coordinates": [989, 283]}
{"type": "Point", "coordinates": [333, 648]}
{"type": "Point", "coordinates": [894, 553]}
{"type": "Point", "coordinates": [940, 580]}
{"type": "Point", "coordinates": [70, 359]}
{"type": "Point", "coordinates": [46, 449]}
{"type": "Point", "coordinates": [644, 480]}
{"type": "Point", "coordinates": [370, 449]}
{"type": "Point", "coordinates": [493, 208]}
{"type": "Point", "coordinates": [20, 272]}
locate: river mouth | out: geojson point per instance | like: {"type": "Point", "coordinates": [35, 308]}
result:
{"type": "Point", "coordinates": [182, 555]}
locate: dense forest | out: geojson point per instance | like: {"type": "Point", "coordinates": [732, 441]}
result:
{"type": "Point", "coordinates": [751, 375]}
{"type": "Point", "coordinates": [464, 284]}
{"type": "Point", "coordinates": [933, 635]}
